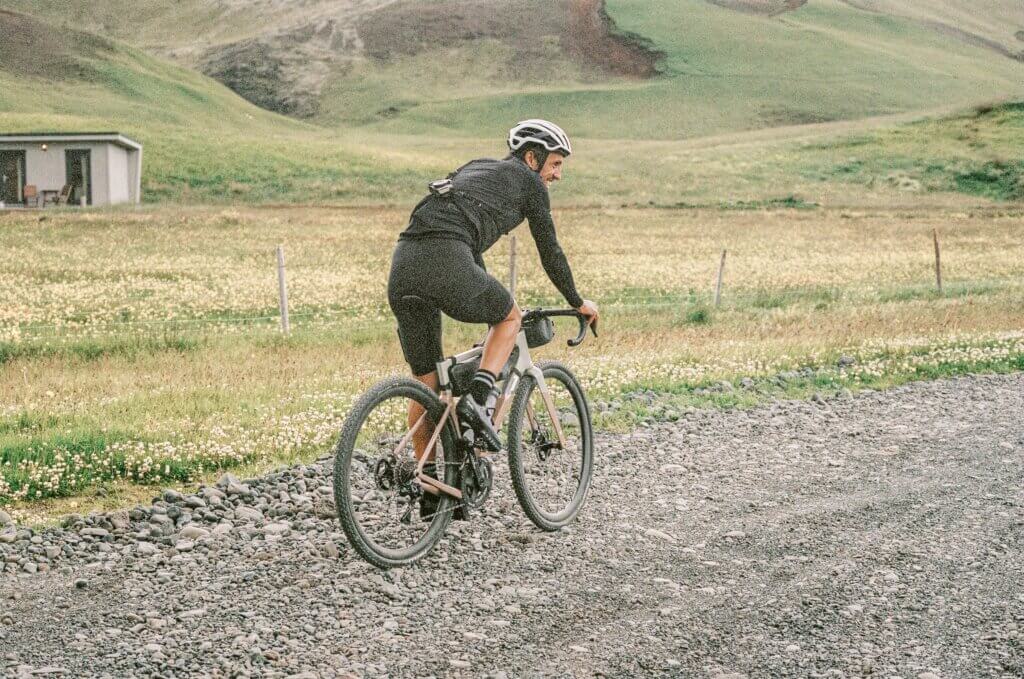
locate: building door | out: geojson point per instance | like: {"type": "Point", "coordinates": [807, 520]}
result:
{"type": "Point", "coordinates": [77, 165]}
{"type": "Point", "coordinates": [12, 176]}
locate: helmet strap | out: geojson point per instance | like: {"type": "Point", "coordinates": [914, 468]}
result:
{"type": "Point", "coordinates": [540, 155]}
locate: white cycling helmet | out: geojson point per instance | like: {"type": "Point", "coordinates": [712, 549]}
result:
{"type": "Point", "coordinates": [542, 132]}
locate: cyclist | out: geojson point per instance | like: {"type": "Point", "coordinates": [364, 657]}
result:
{"type": "Point", "coordinates": [439, 259]}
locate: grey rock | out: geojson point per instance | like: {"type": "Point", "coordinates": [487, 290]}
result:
{"type": "Point", "coordinates": [222, 528]}
{"type": "Point", "coordinates": [661, 535]}
{"type": "Point", "coordinates": [5, 518]}
{"type": "Point", "coordinates": [95, 532]}
{"type": "Point", "coordinates": [120, 520]}
{"type": "Point", "coordinates": [245, 513]}
{"type": "Point", "coordinates": [195, 502]}
{"type": "Point", "coordinates": [277, 528]}
{"type": "Point", "coordinates": [147, 549]}
{"type": "Point", "coordinates": [192, 532]}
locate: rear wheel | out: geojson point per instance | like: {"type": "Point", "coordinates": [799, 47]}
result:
{"type": "Point", "coordinates": [378, 501]}
{"type": "Point", "coordinates": [550, 481]}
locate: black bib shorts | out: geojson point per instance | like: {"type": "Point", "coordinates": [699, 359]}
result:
{"type": "Point", "coordinates": [443, 272]}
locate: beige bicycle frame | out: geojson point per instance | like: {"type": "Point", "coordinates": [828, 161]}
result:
{"type": "Point", "coordinates": [524, 366]}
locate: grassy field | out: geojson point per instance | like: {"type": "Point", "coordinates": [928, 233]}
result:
{"type": "Point", "coordinates": [99, 390]}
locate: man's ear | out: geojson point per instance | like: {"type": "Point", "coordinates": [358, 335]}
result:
{"type": "Point", "coordinates": [530, 157]}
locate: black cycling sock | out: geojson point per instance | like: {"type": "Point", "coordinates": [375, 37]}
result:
{"type": "Point", "coordinates": [483, 383]}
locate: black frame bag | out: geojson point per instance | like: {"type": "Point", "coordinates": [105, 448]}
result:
{"type": "Point", "coordinates": [539, 331]}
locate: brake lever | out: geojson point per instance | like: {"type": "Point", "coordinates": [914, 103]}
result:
{"type": "Point", "coordinates": [575, 342]}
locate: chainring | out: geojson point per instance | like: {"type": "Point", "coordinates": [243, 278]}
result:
{"type": "Point", "coordinates": [476, 485]}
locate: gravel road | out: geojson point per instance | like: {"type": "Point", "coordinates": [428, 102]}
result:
{"type": "Point", "coordinates": [879, 535]}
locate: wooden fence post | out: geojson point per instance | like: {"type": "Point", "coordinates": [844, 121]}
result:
{"type": "Point", "coordinates": [938, 261]}
{"type": "Point", "coordinates": [718, 285]}
{"type": "Point", "coordinates": [282, 290]}
{"type": "Point", "coordinates": [512, 266]}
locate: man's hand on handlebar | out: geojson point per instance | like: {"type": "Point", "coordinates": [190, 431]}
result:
{"type": "Point", "coordinates": [589, 309]}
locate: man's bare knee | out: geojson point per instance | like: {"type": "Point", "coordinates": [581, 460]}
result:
{"type": "Point", "coordinates": [515, 316]}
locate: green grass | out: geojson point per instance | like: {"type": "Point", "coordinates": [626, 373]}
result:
{"type": "Point", "coordinates": [698, 315]}
{"type": "Point", "coordinates": [92, 349]}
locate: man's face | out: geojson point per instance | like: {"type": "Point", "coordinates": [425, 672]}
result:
{"type": "Point", "coordinates": [552, 170]}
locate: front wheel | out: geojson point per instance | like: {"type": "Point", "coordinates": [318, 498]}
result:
{"type": "Point", "coordinates": [550, 480]}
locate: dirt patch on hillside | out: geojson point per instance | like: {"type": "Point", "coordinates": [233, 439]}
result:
{"type": "Point", "coordinates": [29, 47]}
{"type": "Point", "coordinates": [763, 7]}
{"type": "Point", "coordinates": [410, 27]}
{"type": "Point", "coordinates": [285, 70]}
{"type": "Point", "coordinates": [582, 27]}
{"type": "Point", "coordinates": [591, 35]}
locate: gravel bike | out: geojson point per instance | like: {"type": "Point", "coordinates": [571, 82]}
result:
{"type": "Point", "coordinates": [394, 508]}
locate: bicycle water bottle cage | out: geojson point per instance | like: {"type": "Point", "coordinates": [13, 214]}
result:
{"type": "Point", "coordinates": [539, 331]}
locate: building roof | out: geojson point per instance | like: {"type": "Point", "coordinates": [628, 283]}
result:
{"type": "Point", "coordinates": [55, 137]}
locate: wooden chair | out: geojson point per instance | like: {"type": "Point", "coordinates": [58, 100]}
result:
{"type": "Point", "coordinates": [65, 194]}
{"type": "Point", "coordinates": [30, 192]}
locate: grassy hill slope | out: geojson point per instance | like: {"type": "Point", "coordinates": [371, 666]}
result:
{"type": "Point", "coordinates": [723, 71]}
{"type": "Point", "coordinates": [205, 144]}
{"type": "Point", "coordinates": [466, 67]}
{"type": "Point", "coordinates": [202, 142]}
{"type": "Point", "coordinates": [996, 24]}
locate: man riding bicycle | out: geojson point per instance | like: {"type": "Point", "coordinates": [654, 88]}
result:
{"type": "Point", "coordinates": [438, 266]}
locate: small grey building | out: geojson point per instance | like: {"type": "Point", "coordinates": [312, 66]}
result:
{"type": "Point", "coordinates": [79, 168]}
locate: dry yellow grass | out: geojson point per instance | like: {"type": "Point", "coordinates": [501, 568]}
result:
{"type": "Point", "coordinates": [79, 272]}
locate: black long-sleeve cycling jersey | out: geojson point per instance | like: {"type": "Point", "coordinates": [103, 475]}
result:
{"type": "Point", "coordinates": [488, 199]}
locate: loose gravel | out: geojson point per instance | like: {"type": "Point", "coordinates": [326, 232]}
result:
{"type": "Point", "coordinates": [878, 535]}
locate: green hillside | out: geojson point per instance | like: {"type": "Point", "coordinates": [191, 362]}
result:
{"type": "Point", "coordinates": [203, 143]}
{"type": "Point", "coordinates": [465, 67]}
{"type": "Point", "coordinates": [723, 71]}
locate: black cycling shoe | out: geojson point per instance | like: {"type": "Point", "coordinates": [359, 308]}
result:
{"type": "Point", "coordinates": [479, 418]}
